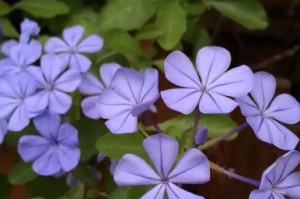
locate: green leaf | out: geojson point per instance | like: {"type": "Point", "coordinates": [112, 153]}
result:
{"type": "Point", "coordinates": [47, 187]}
{"type": "Point", "coordinates": [76, 192]}
{"type": "Point", "coordinates": [43, 9]}
{"type": "Point", "coordinates": [194, 9]}
{"type": "Point", "coordinates": [122, 42]}
{"type": "Point", "coordinates": [5, 187]}
{"type": "Point", "coordinates": [115, 146]}
{"type": "Point", "coordinates": [21, 173]}
{"type": "Point", "coordinates": [128, 192]}
{"type": "Point", "coordinates": [8, 29]}
{"type": "Point", "coordinates": [84, 175]}
{"type": "Point", "coordinates": [89, 132]}
{"type": "Point", "coordinates": [217, 125]}
{"type": "Point", "coordinates": [149, 31]}
{"type": "Point", "coordinates": [249, 13]}
{"type": "Point", "coordinates": [171, 19]}
{"type": "Point", "coordinates": [4, 8]}
{"type": "Point", "coordinates": [125, 14]}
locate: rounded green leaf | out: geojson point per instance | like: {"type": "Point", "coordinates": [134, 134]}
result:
{"type": "Point", "coordinates": [249, 13]}
{"type": "Point", "coordinates": [4, 8]}
{"type": "Point", "coordinates": [21, 173]}
{"type": "Point", "coordinates": [171, 19]}
{"type": "Point", "coordinates": [8, 29]}
{"type": "Point", "coordinates": [43, 9]}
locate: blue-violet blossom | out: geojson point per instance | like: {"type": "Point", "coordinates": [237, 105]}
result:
{"type": "Point", "coordinates": [54, 82]}
{"type": "Point", "coordinates": [192, 168]}
{"type": "Point", "coordinates": [131, 93]}
{"type": "Point", "coordinates": [277, 182]}
{"type": "Point", "coordinates": [263, 112]}
{"type": "Point", "coordinates": [211, 89]}
{"type": "Point", "coordinates": [55, 150]}
{"type": "Point", "coordinates": [92, 87]}
{"type": "Point", "coordinates": [72, 46]}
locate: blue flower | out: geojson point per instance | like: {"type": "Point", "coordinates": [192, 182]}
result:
{"type": "Point", "coordinates": [263, 112]}
{"type": "Point", "coordinates": [71, 47]}
{"type": "Point", "coordinates": [192, 168]}
{"type": "Point", "coordinates": [131, 93]}
{"type": "Point", "coordinates": [54, 82]}
{"type": "Point", "coordinates": [55, 150]}
{"type": "Point", "coordinates": [92, 87]}
{"type": "Point", "coordinates": [211, 88]}
{"type": "Point", "coordinates": [28, 28]}
{"type": "Point", "coordinates": [277, 182]}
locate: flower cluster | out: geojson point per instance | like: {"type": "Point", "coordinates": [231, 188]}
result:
{"type": "Point", "coordinates": [36, 83]}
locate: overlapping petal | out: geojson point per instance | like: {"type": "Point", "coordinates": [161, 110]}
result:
{"type": "Point", "coordinates": [47, 164]}
{"type": "Point", "coordinates": [90, 107]}
{"type": "Point", "coordinates": [174, 191]}
{"type": "Point", "coordinates": [80, 62]}
{"type": "Point", "coordinates": [125, 122]}
{"type": "Point", "coordinates": [68, 81]}
{"type": "Point", "coordinates": [90, 85]}
{"type": "Point", "coordinates": [52, 66]}
{"type": "Point", "coordinates": [163, 151]}
{"type": "Point", "coordinates": [59, 102]}
{"type": "Point", "coordinates": [107, 72]}
{"type": "Point", "coordinates": [47, 124]}
{"type": "Point", "coordinates": [55, 45]}
{"type": "Point", "coordinates": [91, 44]}
{"type": "Point", "coordinates": [157, 192]}
{"type": "Point", "coordinates": [132, 170]}
{"type": "Point", "coordinates": [3, 129]}
{"type": "Point", "coordinates": [7, 46]}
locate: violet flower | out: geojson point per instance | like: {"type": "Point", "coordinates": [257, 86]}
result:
{"type": "Point", "coordinates": [93, 88]}
{"type": "Point", "coordinates": [54, 82]}
{"type": "Point", "coordinates": [7, 46]}
{"type": "Point", "coordinates": [131, 94]}
{"type": "Point", "coordinates": [211, 88]}
{"type": "Point", "coordinates": [263, 112]}
{"type": "Point", "coordinates": [277, 180]}
{"type": "Point", "coordinates": [55, 150]}
{"type": "Point", "coordinates": [72, 46]}
{"type": "Point", "coordinates": [3, 129]}
{"type": "Point", "coordinates": [192, 168]}
{"type": "Point", "coordinates": [14, 94]}
{"type": "Point", "coordinates": [28, 28]}
{"type": "Point", "coordinates": [21, 57]}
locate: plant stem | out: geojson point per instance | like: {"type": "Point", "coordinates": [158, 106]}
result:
{"type": "Point", "coordinates": [224, 136]}
{"type": "Point", "coordinates": [230, 174]}
{"type": "Point", "coordinates": [143, 131]}
{"type": "Point", "coordinates": [195, 126]}
{"type": "Point", "coordinates": [151, 121]}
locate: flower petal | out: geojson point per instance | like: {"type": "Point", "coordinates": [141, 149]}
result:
{"type": "Point", "coordinates": [174, 191]}
{"type": "Point", "coordinates": [68, 81]}
{"type": "Point", "coordinates": [157, 192]}
{"type": "Point", "coordinates": [291, 185]}
{"type": "Point", "coordinates": [47, 124]}
{"type": "Point", "coordinates": [263, 90]}
{"type": "Point", "coordinates": [90, 107]}
{"type": "Point", "coordinates": [7, 105]}
{"type": "Point", "coordinates": [47, 164]}
{"type": "Point", "coordinates": [284, 108]}
{"type": "Point", "coordinates": [67, 135]}
{"type": "Point", "coordinates": [91, 44]}
{"type": "Point", "coordinates": [107, 72]}
{"type": "Point", "coordinates": [111, 104]}
{"type": "Point", "coordinates": [192, 168]}
{"type": "Point", "coordinates": [183, 100]}
{"type": "Point", "coordinates": [122, 123]}
{"type": "Point", "coordinates": [259, 194]}
{"type": "Point", "coordinates": [68, 157]}
{"type": "Point", "coordinates": [128, 83]}
{"type": "Point", "coordinates": [59, 102]}
{"type": "Point", "coordinates": [270, 131]}
{"type": "Point", "coordinates": [247, 106]}
{"type": "Point", "coordinates": [37, 103]}
{"type": "Point", "coordinates": [19, 119]}
{"type": "Point", "coordinates": [214, 103]}
{"type": "Point", "coordinates": [73, 34]}
{"type": "Point", "coordinates": [55, 45]}
{"type": "Point", "coordinates": [90, 84]}
{"type": "Point", "coordinates": [234, 83]}
{"type": "Point", "coordinates": [212, 62]}
{"type": "Point", "coordinates": [52, 66]}
{"type": "Point", "coordinates": [180, 71]}
{"type": "Point", "coordinates": [80, 62]}
{"type": "Point", "coordinates": [163, 151]}
{"type": "Point", "coordinates": [132, 170]}
{"type": "Point", "coordinates": [149, 90]}
{"type": "Point", "coordinates": [3, 129]}
{"type": "Point", "coordinates": [7, 46]}
{"type": "Point", "coordinates": [31, 147]}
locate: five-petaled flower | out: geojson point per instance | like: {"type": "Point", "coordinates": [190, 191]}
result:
{"type": "Point", "coordinates": [214, 87]}
{"type": "Point", "coordinates": [55, 150]}
{"type": "Point", "coordinates": [54, 82]}
{"type": "Point", "coordinates": [192, 168]}
{"type": "Point", "coordinates": [72, 46]}
{"type": "Point", "coordinates": [93, 88]}
{"type": "Point", "coordinates": [277, 181]}
{"type": "Point", "coordinates": [131, 93]}
{"type": "Point", "coordinates": [262, 113]}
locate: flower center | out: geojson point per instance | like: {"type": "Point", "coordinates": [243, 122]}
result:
{"type": "Point", "coordinates": [165, 180]}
